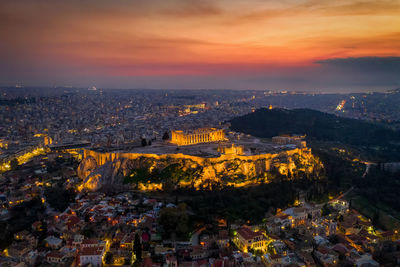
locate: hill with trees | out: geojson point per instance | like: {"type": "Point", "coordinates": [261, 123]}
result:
{"type": "Point", "coordinates": [340, 143]}
{"type": "Point", "coordinates": [377, 139]}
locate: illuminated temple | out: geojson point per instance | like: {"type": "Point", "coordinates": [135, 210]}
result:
{"type": "Point", "coordinates": [203, 135]}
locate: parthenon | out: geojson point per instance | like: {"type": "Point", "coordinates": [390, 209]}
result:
{"type": "Point", "coordinates": [203, 135]}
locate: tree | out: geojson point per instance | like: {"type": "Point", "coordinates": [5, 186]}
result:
{"type": "Point", "coordinates": [375, 217]}
{"type": "Point", "coordinates": [175, 221]}
{"type": "Point", "coordinates": [144, 142]}
{"type": "Point", "coordinates": [137, 248]}
{"type": "Point", "coordinates": [88, 232]}
{"type": "Point", "coordinates": [127, 261]}
{"type": "Point", "coordinates": [108, 258]}
{"type": "Point", "coordinates": [326, 210]}
{"type": "Point", "coordinates": [165, 136]}
{"type": "Point", "coordinates": [14, 164]}
{"type": "Point", "coordinates": [58, 197]}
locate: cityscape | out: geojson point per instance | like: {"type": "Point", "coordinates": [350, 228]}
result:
{"type": "Point", "coordinates": [157, 133]}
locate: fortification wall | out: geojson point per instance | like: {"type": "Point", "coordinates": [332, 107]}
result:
{"type": "Point", "coordinates": [103, 157]}
{"type": "Point", "coordinates": [98, 168]}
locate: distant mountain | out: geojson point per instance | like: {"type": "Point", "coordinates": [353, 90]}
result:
{"type": "Point", "coordinates": [394, 91]}
{"type": "Point", "coordinates": [316, 125]}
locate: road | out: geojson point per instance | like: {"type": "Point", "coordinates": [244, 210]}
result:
{"type": "Point", "coordinates": [367, 167]}
{"type": "Point", "coordinates": [341, 195]}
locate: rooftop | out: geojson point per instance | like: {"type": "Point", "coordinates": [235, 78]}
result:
{"type": "Point", "coordinates": [247, 233]}
{"type": "Point", "coordinates": [98, 250]}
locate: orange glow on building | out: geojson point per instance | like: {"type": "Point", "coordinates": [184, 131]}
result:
{"type": "Point", "coordinates": [197, 136]}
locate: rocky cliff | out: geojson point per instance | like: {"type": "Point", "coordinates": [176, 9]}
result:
{"type": "Point", "coordinates": [151, 171]}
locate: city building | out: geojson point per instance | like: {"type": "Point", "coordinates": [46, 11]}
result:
{"type": "Point", "coordinates": [203, 135]}
{"type": "Point", "coordinates": [231, 150]}
{"type": "Point", "coordinates": [92, 255]}
{"type": "Point", "coordinates": [247, 239]}
{"type": "Point", "coordinates": [290, 139]}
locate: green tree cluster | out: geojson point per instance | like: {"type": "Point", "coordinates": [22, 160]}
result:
{"type": "Point", "coordinates": [373, 137]}
{"type": "Point", "coordinates": [21, 217]}
{"type": "Point", "coordinates": [59, 198]}
{"type": "Point", "coordinates": [175, 222]}
{"type": "Point", "coordinates": [170, 176]}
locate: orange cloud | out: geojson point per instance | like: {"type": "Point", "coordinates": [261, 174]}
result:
{"type": "Point", "coordinates": [184, 37]}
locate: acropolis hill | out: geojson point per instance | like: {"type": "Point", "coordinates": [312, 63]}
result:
{"type": "Point", "coordinates": [227, 160]}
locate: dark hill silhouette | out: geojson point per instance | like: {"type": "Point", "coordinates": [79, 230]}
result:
{"type": "Point", "coordinates": [316, 125]}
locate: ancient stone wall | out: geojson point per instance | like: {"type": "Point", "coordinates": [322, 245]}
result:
{"type": "Point", "coordinates": [99, 168]}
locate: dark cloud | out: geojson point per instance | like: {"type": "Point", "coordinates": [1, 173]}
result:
{"type": "Point", "coordinates": [389, 65]}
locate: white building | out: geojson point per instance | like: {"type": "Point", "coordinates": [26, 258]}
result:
{"type": "Point", "coordinates": [92, 255]}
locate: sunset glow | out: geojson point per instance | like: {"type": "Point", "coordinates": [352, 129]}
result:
{"type": "Point", "coordinates": [144, 43]}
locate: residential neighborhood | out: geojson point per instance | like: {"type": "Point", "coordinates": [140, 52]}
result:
{"type": "Point", "coordinates": [97, 229]}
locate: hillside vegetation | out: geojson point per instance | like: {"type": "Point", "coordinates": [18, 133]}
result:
{"type": "Point", "coordinates": [340, 143]}
{"type": "Point", "coordinates": [376, 139]}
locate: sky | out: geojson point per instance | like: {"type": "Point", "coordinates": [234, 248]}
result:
{"type": "Point", "coordinates": [302, 45]}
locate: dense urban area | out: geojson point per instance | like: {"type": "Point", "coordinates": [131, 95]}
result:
{"type": "Point", "coordinates": [332, 202]}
